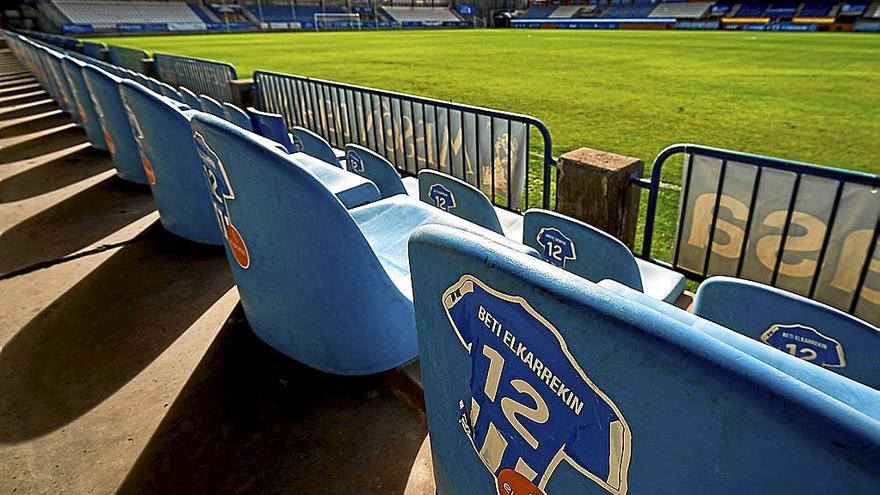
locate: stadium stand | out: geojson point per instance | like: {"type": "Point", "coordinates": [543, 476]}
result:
{"type": "Point", "coordinates": [109, 13]}
{"type": "Point", "coordinates": [782, 9]}
{"type": "Point", "coordinates": [565, 11]}
{"type": "Point", "coordinates": [681, 10]}
{"type": "Point", "coordinates": [205, 15]}
{"type": "Point", "coordinates": [538, 12]}
{"type": "Point", "coordinates": [421, 14]}
{"type": "Point", "coordinates": [816, 9]}
{"type": "Point", "coordinates": [290, 13]}
{"type": "Point", "coordinates": [853, 8]}
{"type": "Point", "coordinates": [627, 12]}
{"type": "Point", "coordinates": [873, 10]}
{"type": "Point", "coordinates": [751, 10]}
{"type": "Point", "coordinates": [721, 8]}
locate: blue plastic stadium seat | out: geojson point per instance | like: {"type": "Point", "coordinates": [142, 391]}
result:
{"type": "Point", "coordinates": [537, 381]}
{"type": "Point", "coordinates": [168, 91]}
{"type": "Point", "coordinates": [272, 126]}
{"type": "Point", "coordinates": [310, 143]}
{"type": "Point", "coordinates": [595, 255]}
{"type": "Point", "coordinates": [466, 201]}
{"type": "Point", "coordinates": [67, 103]}
{"type": "Point", "coordinates": [802, 327]}
{"type": "Point", "coordinates": [324, 285]}
{"type": "Point", "coordinates": [212, 106]}
{"type": "Point", "coordinates": [104, 89]}
{"type": "Point", "coordinates": [82, 100]}
{"type": "Point", "coordinates": [369, 164]}
{"type": "Point", "coordinates": [189, 98]}
{"type": "Point", "coordinates": [172, 165]}
{"type": "Point", "coordinates": [238, 116]}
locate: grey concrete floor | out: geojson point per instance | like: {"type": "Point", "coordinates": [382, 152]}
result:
{"type": "Point", "coordinates": [126, 364]}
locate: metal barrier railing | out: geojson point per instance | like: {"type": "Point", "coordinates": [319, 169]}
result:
{"type": "Point", "coordinates": [201, 76]}
{"type": "Point", "coordinates": [805, 228]}
{"type": "Point", "coordinates": [129, 58]}
{"type": "Point", "coordinates": [489, 149]}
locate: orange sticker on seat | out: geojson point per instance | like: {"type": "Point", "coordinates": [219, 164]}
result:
{"type": "Point", "coordinates": [511, 482]}
{"type": "Point", "coordinates": [238, 247]}
{"type": "Point", "coordinates": [148, 169]}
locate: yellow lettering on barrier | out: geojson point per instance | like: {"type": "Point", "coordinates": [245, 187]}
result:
{"type": "Point", "coordinates": [702, 222]}
{"type": "Point", "coordinates": [768, 246]}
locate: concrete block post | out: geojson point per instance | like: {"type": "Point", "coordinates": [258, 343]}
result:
{"type": "Point", "coordinates": [242, 92]}
{"type": "Point", "coordinates": [594, 186]}
{"type": "Point", "coordinates": [147, 67]}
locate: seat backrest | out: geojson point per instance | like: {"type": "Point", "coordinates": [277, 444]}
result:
{"type": "Point", "coordinates": [83, 102]}
{"type": "Point", "coordinates": [804, 328]}
{"type": "Point", "coordinates": [310, 143]}
{"type": "Point", "coordinates": [580, 248]}
{"type": "Point", "coordinates": [172, 166]}
{"type": "Point", "coordinates": [104, 90]}
{"type": "Point", "coordinates": [272, 126]}
{"type": "Point", "coordinates": [537, 381]}
{"type": "Point", "coordinates": [237, 116]}
{"type": "Point", "coordinates": [67, 103]}
{"type": "Point", "coordinates": [371, 165]}
{"type": "Point", "coordinates": [212, 106]}
{"type": "Point", "coordinates": [459, 198]}
{"type": "Point", "coordinates": [297, 254]}
{"type": "Point", "coordinates": [168, 91]}
{"type": "Point", "coordinates": [189, 98]}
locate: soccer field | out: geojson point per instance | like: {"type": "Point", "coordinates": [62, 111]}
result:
{"type": "Point", "coordinates": [811, 97]}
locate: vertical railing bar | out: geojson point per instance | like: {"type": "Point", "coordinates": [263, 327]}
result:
{"type": "Point", "coordinates": [424, 136]}
{"type": "Point", "coordinates": [754, 196]}
{"type": "Point", "coordinates": [528, 154]}
{"type": "Point", "coordinates": [684, 190]}
{"type": "Point", "coordinates": [722, 176]}
{"type": "Point", "coordinates": [822, 252]}
{"type": "Point", "coordinates": [869, 258]}
{"type": "Point", "coordinates": [436, 138]}
{"type": "Point", "coordinates": [509, 169]}
{"type": "Point", "coordinates": [492, 151]}
{"type": "Point", "coordinates": [785, 229]}
{"type": "Point", "coordinates": [478, 168]}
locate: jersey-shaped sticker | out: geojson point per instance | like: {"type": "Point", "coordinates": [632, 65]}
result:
{"type": "Point", "coordinates": [354, 162]}
{"type": "Point", "coordinates": [558, 248]}
{"type": "Point", "coordinates": [221, 192]}
{"type": "Point", "coordinates": [532, 407]}
{"type": "Point", "coordinates": [298, 146]}
{"type": "Point", "coordinates": [806, 343]}
{"type": "Point", "coordinates": [441, 197]}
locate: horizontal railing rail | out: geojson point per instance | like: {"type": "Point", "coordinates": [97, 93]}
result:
{"type": "Point", "coordinates": [202, 76]}
{"type": "Point", "coordinates": [489, 149]}
{"type": "Point", "coordinates": [806, 228]}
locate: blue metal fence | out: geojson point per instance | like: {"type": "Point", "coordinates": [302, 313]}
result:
{"type": "Point", "coordinates": [201, 76]}
{"type": "Point", "coordinates": [809, 229]}
{"type": "Point", "coordinates": [488, 148]}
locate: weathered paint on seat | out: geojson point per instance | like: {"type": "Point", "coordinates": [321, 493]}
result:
{"type": "Point", "coordinates": [595, 255]}
{"type": "Point", "coordinates": [310, 143]}
{"type": "Point", "coordinates": [537, 381]}
{"type": "Point", "coordinates": [168, 91]}
{"type": "Point", "coordinates": [190, 98]}
{"type": "Point", "coordinates": [68, 102]}
{"type": "Point", "coordinates": [212, 106]}
{"type": "Point", "coordinates": [237, 116]}
{"type": "Point", "coordinates": [807, 329]}
{"type": "Point", "coordinates": [104, 90]}
{"type": "Point", "coordinates": [82, 101]}
{"type": "Point", "coordinates": [324, 285]}
{"type": "Point", "coordinates": [272, 126]}
{"type": "Point", "coordinates": [369, 164]}
{"type": "Point", "coordinates": [172, 166]}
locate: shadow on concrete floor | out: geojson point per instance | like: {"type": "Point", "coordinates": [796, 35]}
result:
{"type": "Point", "coordinates": [105, 330]}
{"type": "Point", "coordinates": [41, 143]}
{"type": "Point", "coordinates": [74, 223]}
{"type": "Point", "coordinates": [252, 420]}
{"type": "Point", "coordinates": [55, 174]}
{"type": "Point", "coordinates": [32, 123]}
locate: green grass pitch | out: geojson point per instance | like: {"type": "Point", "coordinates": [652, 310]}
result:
{"type": "Point", "coordinates": [811, 97]}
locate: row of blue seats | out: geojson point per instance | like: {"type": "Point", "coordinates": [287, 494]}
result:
{"type": "Point", "coordinates": [536, 379]}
